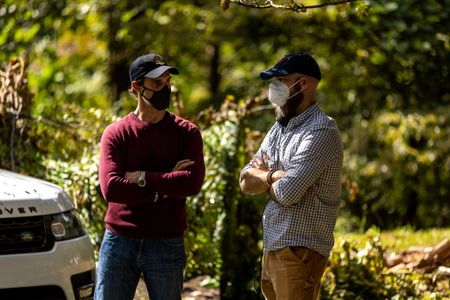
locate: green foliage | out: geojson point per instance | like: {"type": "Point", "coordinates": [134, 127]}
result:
{"type": "Point", "coordinates": [64, 150]}
{"type": "Point", "coordinates": [23, 22]}
{"type": "Point", "coordinates": [206, 210]}
{"type": "Point", "coordinates": [385, 73]}
{"type": "Point", "coordinates": [408, 155]}
{"type": "Point", "coordinates": [356, 272]}
{"type": "Point", "coordinates": [222, 222]}
{"type": "Point", "coordinates": [57, 39]}
{"type": "Point", "coordinates": [397, 240]}
{"type": "Point", "coordinates": [76, 168]}
{"type": "Point", "coordinates": [369, 52]}
{"type": "Point", "coordinates": [80, 180]}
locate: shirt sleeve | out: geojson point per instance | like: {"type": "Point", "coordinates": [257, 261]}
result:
{"type": "Point", "coordinates": [114, 186]}
{"type": "Point", "coordinates": [316, 151]}
{"type": "Point", "coordinates": [183, 183]}
{"type": "Point", "coordinates": [249, 165]}
{"type": "Point", "coordinates": [258, 155]}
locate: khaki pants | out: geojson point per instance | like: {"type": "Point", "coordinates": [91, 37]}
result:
{"type": "Point", "coordinates": [292, 273]}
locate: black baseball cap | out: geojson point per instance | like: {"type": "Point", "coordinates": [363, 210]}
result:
{"type": "Point", "coordinates": [299, 62]}
{"type": "Point", "coordinates": [150, 66]}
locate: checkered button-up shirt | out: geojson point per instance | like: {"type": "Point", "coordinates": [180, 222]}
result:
{"type": "Point", "coordinates": [308, 196]}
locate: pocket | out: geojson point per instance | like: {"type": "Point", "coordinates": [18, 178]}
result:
{"type": "Point", "coordinates": [302, 254]}
{"type": "Point", "coordinates": [290, 264]}
{"type": "Point", "coordinates": [288, 254]}
{"type": "Point", "coordinates": [313, 262]}
{"type": "Point", "coordinates": [173, 247]}
{"type": "Point", "coordinates": [309, 284]}
{"type": "Point", "coordinates": [330, 203]}
{"type": "Point", "coordinates": [172, 252]}
{"type": "Point", "coordinates": [318, 266]}
{"type": "Point", "coordinates": [109, 236]}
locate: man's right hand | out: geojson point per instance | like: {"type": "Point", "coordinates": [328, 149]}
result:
{"type": "Point", "coordinates": [183, 165]}
{"type": "Point", "coordinates": [254, 181]}
{"type": "Point", "coordinates": [180, 166]}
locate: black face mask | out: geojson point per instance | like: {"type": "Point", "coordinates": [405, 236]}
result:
{"type": "Point", "coordinates": [160, 99]}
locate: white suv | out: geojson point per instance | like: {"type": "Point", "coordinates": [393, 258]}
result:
{"type": "Point", "coordinates": [45, 253]}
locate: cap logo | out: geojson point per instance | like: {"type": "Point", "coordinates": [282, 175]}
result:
{"type": "Point", "coordinates": [159, 61]}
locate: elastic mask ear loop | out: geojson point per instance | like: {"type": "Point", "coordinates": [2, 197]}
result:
{"type": "Point", "coordinates": [294, 95]}
{"type": "Point", "coordinates": [295, 83]}
{"type": "Point", "coordinates": [142, 93]}
{"type": "Point", "coordinates": [297, 92]}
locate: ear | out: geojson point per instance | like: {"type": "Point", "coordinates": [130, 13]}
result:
{"type": "Point", "coordinates": [303, 83]}
{"type": "Point", "coordinates": [136, 86]}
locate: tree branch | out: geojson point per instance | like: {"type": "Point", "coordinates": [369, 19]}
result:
{"type": "Point", "coordinates": [291, 5]}
{"type": "Point", "coordinates": [54, 123]}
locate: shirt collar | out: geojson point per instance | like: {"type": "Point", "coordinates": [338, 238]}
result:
{"type": "Point", "coordinates": [302, 117]}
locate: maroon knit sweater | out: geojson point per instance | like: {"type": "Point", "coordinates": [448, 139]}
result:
{"type": "Point", "coordinates": [134, 145]}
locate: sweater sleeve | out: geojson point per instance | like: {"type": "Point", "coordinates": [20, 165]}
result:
{"type": "Point", "coordinates": [114, 186]}
{"type": "Point", "coordinates": [183, 183]}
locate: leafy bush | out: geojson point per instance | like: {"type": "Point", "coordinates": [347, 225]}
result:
{"type": "Point", "coordinates": [222, 221]}
{"type": "Point", "coordinates": [80, 180]}
{"type": "Point", "coordinates": [75, 167]}
{"type": "Point", "coordinates": [64, 150]}
{"type": "Point", "coordinates": [397, 170]}
{"type": "Point", "coordinates": [205, 210]}
{"type": "Point", "coordinates": [356, 272]}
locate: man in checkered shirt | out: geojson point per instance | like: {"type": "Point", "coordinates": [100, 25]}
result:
{"type": "Point", "coordinates": [299, 165]}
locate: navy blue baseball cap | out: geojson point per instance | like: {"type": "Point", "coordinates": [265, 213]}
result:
{"type": "Point", "coordinates": [299, 62]}
{"type": "Point", "coordinates": [150, 66]}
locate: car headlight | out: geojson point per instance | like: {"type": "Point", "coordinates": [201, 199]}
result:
{"type": "Point", "coordinates": [66, 225]}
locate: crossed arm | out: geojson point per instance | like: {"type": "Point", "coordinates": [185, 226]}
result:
{"type": "Point", "coordinates": [120, 186]}
{"type": "Point", "coordinates": [319, 150]}
{"type": "Point", "coordinates": [181, 165]}
{"type": "Point", "coordinates": [257, 178]}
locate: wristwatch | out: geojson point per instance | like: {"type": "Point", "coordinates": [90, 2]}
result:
{"type": "Point", "coordinates": [141, 181]}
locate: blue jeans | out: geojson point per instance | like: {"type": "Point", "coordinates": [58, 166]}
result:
{"type": "Point", "coordinates": [124, 259]}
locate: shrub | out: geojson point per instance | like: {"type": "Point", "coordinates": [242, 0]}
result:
{"type": "Point", "coordinates": [355, 272]}
{"type": "Point", "coordinates": [397, 170]}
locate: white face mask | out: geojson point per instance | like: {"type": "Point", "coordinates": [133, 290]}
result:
{"type": "Point", "coordinates": [279, 92]}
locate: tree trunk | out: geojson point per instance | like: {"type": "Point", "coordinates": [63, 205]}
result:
{"type": "Point", "coordinates": [214, 74]}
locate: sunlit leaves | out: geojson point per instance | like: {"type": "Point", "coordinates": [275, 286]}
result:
{"type": "Point", "coordinates": [356, 270]}
{"type": "Point", "coordinates": [22, 22]}
{"type": "Point", "coordinates": [206, 210]}
{"type": "Point", "coordinates": [374, 55]}
{"type": "Point", "coordinates": [409, 156]}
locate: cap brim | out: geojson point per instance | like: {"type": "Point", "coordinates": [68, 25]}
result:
{"type": "Point", "coordinates": [270, 73]}
{"type": "Point", "coordinates": [155, 73]}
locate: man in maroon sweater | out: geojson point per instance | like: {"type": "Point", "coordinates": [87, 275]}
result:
{"type": "Point", "coordinates": [150, 161]}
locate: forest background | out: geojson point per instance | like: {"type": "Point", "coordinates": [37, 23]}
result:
{"type": "Point", "coordinates": [385, 68]}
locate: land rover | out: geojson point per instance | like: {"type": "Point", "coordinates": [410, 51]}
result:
{"type": "Point", "coordinates": [45, 253]}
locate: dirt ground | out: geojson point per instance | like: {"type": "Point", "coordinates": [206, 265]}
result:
{"type": "Point", "coordinates": [191, 291]}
